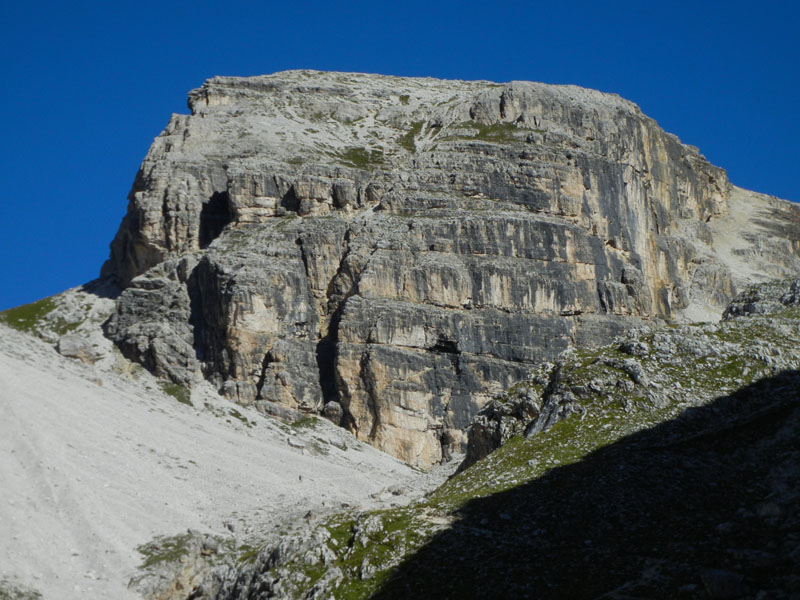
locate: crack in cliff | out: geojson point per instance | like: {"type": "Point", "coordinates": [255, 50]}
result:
{"type": "Point", "coordinates": [369, 380]}
{"type": "Point", "coordinates": [326, 352]}
{"type": "Point", "coordinates": [445, 439]}
{"type": "Point", "coordinates": [262, 377]}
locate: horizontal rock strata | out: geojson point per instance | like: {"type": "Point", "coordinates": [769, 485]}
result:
{"type": "Point", "coordinates": [408, 248]}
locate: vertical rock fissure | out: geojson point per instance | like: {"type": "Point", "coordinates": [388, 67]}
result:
{"type": "Point", "coordinates": [449, 348]}
{"type": "Point", "coordinates": [444, 436]}
{"type": "Point", "coordinates": [369, 381]}
{"type": "Point", "coordinates": [167, 220]}
{"type": "Point", "coordinates": [304, 258]}
{"type": "Point", "coordinates": [326, 352]}
{"type": "Point", "coordinates": [264, 366]}
{"type": "Point", "coordinates": [326, 355]}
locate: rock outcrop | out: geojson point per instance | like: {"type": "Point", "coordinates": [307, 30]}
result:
{"type": "Point", "coordinates": [408, 248]}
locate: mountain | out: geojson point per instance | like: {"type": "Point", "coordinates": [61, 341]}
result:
{"type": "Point", "coordinates": [573, 339]}
{"type": "Point", "coordinates": [393, 253]}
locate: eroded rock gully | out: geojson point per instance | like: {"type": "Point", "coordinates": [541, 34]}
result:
{"type": "Point", "coordinates": [408, 248]}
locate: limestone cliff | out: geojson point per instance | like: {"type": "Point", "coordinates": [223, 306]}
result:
{"type": "Point", "coordinates": [396, 252]}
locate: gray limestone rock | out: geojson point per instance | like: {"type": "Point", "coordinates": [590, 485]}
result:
{"type": "Point", "coordinates": [333, 412]}
{"type": "Point", "coordinates": [306, 238]}
{"type": "Point", "coordinates": [643, 484]}
{"type": "Point", "coordinates": [764, 299]}
{"type": "Point", "coordinates": [75, 346]}
{"type": "Point", "coordinates": [500, 420]}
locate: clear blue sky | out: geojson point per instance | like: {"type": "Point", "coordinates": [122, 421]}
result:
{"type": "Point", "coordinates": [88, 85]}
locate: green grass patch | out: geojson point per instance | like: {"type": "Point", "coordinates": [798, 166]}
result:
{"type": "Point", "coordinates": [362, 158]}
{"type": "Point", "coordinates": [248, 553]}
{"type": "Point", "coordinates": [164, 550]}
{"type": "Point", "coordinates": [29, 318]}
{"type": "Point", "coordinates": [239, 416]}
{"type": "Point", "coordinates": [682, 367]}
{"type": "Point", "coordinates": [305, 423]}
{"type": "Point", "coordinates": [26, 317]}
{"type": "Point", "coordinates": [399, 535]}
{"type": "Point", "coordinates": [179, 392]}
{"type": "Point", "coordinates": [352, 552]}
{"type": "Point", "coordinates": [497, 132]}
{"type": "Point", "coordinates": [63, 327]}
{"type": "Point", "coordinates": [503, 133]}
{"type": "Point", "coordinates": [10, 590]}
{"type": "Point", "coordinates": [407, 141]}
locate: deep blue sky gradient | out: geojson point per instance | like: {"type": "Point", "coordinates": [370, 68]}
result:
{"type": "Point", "coordinates": [88, 85]}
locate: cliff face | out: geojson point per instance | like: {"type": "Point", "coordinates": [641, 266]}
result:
{"type": "Point", "coordinates": [395, 252]}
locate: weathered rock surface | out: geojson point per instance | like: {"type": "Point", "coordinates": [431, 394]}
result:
{"type": "Point", "coordinates": [409, 247]}
{"type": "Point", "coordinates": [74, 346]}
{"type": "Point", "coordinates": [499, 420]}
{"type": "Point", "coordinates": [651, 365]}
{"type": "Point", "coordinates": [764, 299]}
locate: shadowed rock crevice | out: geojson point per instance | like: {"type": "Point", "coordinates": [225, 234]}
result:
{"type": "Point", "coordinates": [326, 359]}
{"type": "Point", "coordinates": [206, 319]}
{"type": "Point", "coordinates": [445, 346]}
{"type": "Point", "coordinates": [214, 216]}
{"type": "Point", "coordinates": [369, 380]}
{"type": "Point", "coordinates": [103, 287]}
{"type": "Point", "coordinates": [262, 377]}
{"type": "Point", "coordinates": [342, 286]}
{"type": "Point", "coordinates": [290, 201]}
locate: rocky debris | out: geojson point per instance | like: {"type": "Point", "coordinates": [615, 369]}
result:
{"type": "Point", "coordinates": [333, 412]}
{"type": "Point", "coordinates": [500, 420]}
{"type": "Point", "coordinates": [305, 238]}
{"type": "Point", "coordinates": [215, 467]}
{"type": "Point", "coordinates": [724, 585]}
{"type": "Point", "coordinates": [75, 346]}
{"type": "Point", "coordinates": [71, 320]}
{"type": "Point", "coordinates": [392, 491]}
{"type": "Point", "coordinates": [642, 512]}
{"type": "Point", "coordinates": [296, 443]}
{"type": "Point", "coordinates": [765, 298]}
{"type": "Point", "coordinates": [341, 553]}
{"type": "Point", "coordinates": [634, 348]}
{"type": "Point", "coordinates": [280, 412]}
{"type": "Point", "coordinates": [175, 566]}
{"type": "Point", "coordinates": [558, 405]}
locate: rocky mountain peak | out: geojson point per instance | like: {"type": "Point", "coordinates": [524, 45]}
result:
{"type": "Point", "coordinates": [395, 252]}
